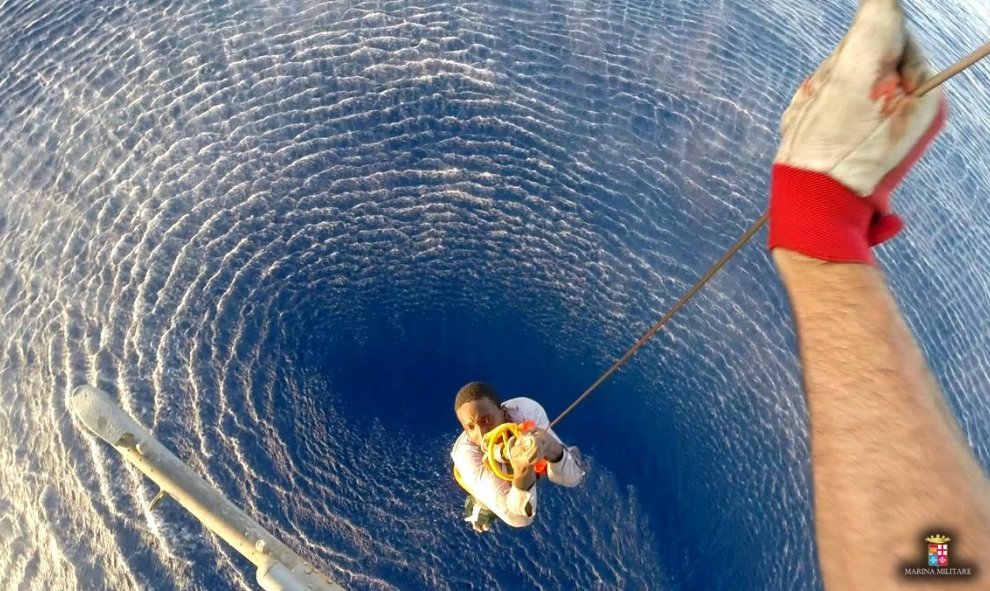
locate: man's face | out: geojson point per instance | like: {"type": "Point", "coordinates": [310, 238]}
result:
{"type": "Point", "coordinates": [479, 417]}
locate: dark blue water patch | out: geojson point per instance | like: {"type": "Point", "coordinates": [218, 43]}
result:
{"type": "Point", "coordinates": [400, 367]}
{"type": "Point", "coordinates": [408, 383]}
{"type": "Point", "coordinates": [408, 377]}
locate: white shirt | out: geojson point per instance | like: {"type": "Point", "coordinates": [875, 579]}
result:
{"type": "Point", "coordinates": [512, 505]}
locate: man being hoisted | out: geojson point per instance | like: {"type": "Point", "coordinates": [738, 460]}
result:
{"type": "Point", "coordinates": [481, 463]}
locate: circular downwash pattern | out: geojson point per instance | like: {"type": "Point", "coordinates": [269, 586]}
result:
{"type": "Point", "coordinates": [282, 236]}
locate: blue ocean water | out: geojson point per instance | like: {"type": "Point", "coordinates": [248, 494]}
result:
{"type": "Point", "coordinates": [283, 235]}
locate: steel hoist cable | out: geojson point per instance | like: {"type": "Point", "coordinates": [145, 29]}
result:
{"type": "Point", "coordinates": [924, 88]}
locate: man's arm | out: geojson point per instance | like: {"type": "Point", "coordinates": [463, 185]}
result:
{"type": "Point", "coordinates": [513, 502]}
{"type": "Point", "coordinates": [889, 463]}
{"type": "Point", "coordinates": [563, 463]}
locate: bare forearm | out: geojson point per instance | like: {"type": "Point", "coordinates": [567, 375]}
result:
{"type": "Point", "coordinates": [879, 426]}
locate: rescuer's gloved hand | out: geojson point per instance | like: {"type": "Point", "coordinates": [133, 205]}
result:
{"type": "Point", "coordinates": [849, 136]}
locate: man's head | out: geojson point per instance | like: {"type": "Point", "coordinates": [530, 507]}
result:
{"type": "Point", "coordinates": [479, 409]}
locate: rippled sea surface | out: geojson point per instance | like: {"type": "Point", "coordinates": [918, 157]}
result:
{"type": "Point", "coordinates": [282, 234]}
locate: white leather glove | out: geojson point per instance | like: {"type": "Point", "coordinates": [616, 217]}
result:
{"type": "Point", "coordinates": [849, 137]}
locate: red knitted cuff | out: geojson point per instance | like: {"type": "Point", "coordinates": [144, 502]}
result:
{"type": "Point", "coordinates": [815, 215]}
